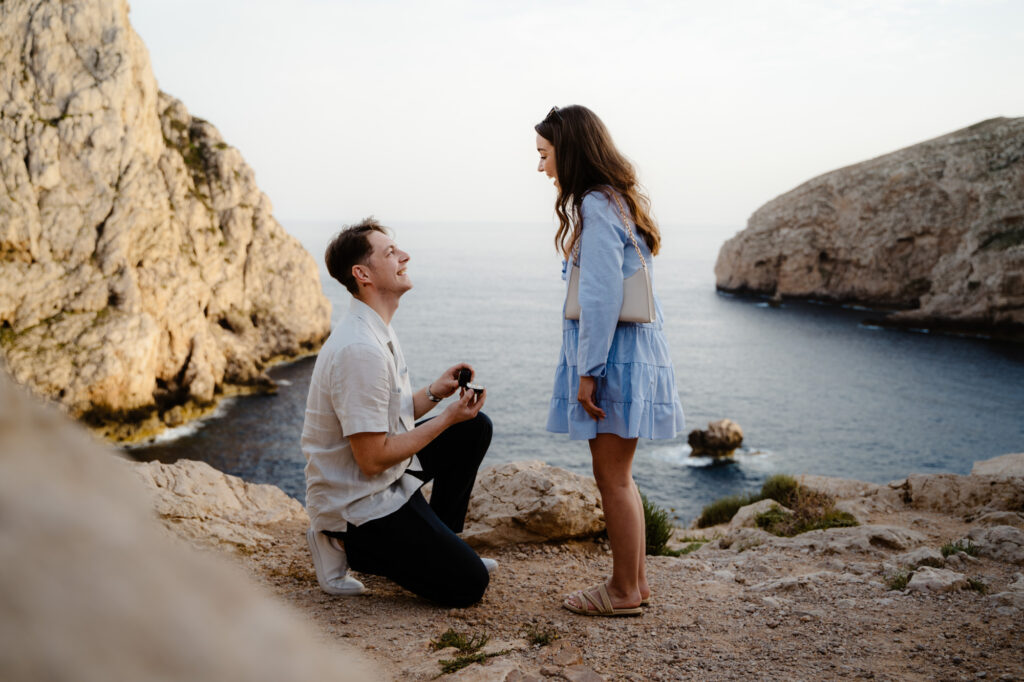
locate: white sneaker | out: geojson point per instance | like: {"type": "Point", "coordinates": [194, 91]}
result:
{"type": "Point", "coordinates": [331, 565]}
{"type": "Point", "coordinates": [489, 564]}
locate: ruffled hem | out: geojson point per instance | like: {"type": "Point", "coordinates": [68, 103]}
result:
{"type": "Point", "coordinates": [642, 419]}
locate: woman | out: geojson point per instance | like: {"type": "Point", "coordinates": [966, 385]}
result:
{"type": "Point", "coordinates": [615, 381]}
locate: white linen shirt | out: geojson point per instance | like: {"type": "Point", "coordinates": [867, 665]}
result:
{"type": "Point", "coordinates": [360, 384]}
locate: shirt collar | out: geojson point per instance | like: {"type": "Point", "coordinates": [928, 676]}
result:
{"type": "Point", "coordinates": [373, 320]}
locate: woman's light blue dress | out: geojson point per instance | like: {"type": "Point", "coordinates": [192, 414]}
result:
{"type": "Point", "coordinates": [636, 384]}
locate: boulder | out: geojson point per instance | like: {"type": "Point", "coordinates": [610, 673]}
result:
{"type": "Point", "coordinates": [1002, 543]}
{"type": "Point", "coordinates": [1004, 466]}
{"type": "Point", "coordinates": [936, 229]}
{"type": "Point", "coordinates": [141, 268]}
{"type": "Point", "coordinates": [92, 588]}
{"type": "Point", "coordinates": [1007, 603]}
{"type": "Point", "coordinates": [531, 502]}
{"type": "Point", "coordinates": [1003, 518]}
{"type": "Point", "coordinates": [213, 509]}
{"type": "Point", "coordinates": [922, 556]}
{"type": "Point", "coordinates": [720, 439]}
{"type": "Point", "coordinates": [953, 494]}
{"type": "Point", "coordinates": [746, 516]}
{"type": "Point", "coordinates": [936, 580]}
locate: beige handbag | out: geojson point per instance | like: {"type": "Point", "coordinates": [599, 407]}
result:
{"type": "Point", "coordinates": [637, 293]}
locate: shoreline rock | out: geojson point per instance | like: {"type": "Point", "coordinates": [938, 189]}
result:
{"type": "Point", "coordinates": [933, 232]}
{"type": "Point", "coordinates": [142, 273]}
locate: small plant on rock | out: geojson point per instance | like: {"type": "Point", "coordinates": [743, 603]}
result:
{"type": "Point", "coordinates": [965, 546]}
{"type": "Point", "coordinates": [538, 635]}
{"type": "Point", "coordinates": [659, 528]}
{"type": "Point", "coordinates": [469, 646]}
{"type": "Point", "coordinates": [979, 586]}
{"type": "Point", "coordinates": [898, 580]}
{"type": "Point", "coordinates": [722, 510]}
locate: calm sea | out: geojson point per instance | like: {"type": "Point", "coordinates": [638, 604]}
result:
{"type": "Point", "coordinates": [815, 390]}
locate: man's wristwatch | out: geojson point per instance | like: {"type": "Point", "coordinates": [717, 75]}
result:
{"type": "Point", "coordinates": [431, 397]}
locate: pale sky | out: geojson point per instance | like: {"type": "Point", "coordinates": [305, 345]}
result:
{"type": "Point", "coordinates": [424, 111]}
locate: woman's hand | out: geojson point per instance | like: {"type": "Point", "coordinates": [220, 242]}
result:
{"type": "Point", "coordinates": [448, 382]}
{"type": "Point", "coordinates": [586, 397]}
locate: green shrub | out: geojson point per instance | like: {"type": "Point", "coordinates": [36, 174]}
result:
{"type": "Point", "coordinates": [967, 547]}
{"type": "Point", "coordinates": [722, 510]}
{"type": "Point", "coordinates": [898, 580]}
{"type": "Point", "coordinates": [659, 527]}
{"type": "Point", "coordinates": [978, 586]}
{"type": "Point", "coordinates": [782, 488]}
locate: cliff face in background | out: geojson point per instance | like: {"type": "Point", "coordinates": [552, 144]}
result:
{"type": "Point", "coordinates": [140, 266]}
{"type": "Point", "coordinates": [936, 229]}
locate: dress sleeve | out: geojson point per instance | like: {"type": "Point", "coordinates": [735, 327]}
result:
{"type": "Point", "coordinates": [601, 256]}
{"type": "Point", "coordinates": [361, 389]}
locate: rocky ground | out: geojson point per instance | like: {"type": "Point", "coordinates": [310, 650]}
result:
{"type": "Point", "coordinates": [746, 605]}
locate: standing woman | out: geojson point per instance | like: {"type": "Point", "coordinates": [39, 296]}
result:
{"type": "Point", "coordinates": [614, 382]}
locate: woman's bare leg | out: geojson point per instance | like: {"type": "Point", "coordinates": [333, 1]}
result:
{"type": "Point", "coordinates": [624, 518]}
{"type": "Point", "coordinates": [645, 590]}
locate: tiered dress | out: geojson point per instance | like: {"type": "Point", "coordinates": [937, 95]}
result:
{"type": "Point", "coordinates": [636, 384]}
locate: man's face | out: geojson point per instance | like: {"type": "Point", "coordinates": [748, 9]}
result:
{"type": "Point", "coordinates": [387, 265]}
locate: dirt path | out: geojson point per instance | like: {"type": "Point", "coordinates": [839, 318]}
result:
{"type": "Point", "coordinates": [764, 613]}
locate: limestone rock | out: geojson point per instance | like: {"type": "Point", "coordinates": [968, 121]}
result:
{"type": "Point", "coordinates": [140, 265]}
{"type": "Point", "coordinates": [936, 580]}
{"type": "Point", "coordinates": [922, 556]}
{"type": "Point", "coordinates": [1002, 543]}
{"type": "Point", "coordinates": [213, 509]}
{"type": "Point", "coordinates": [1004, 518]}
{"type": "Point", "coordinates": [867, 539]}
{"type": "Point", "coordinates": [531, 502]}
{"type": "Point", "coordinates": [746, 516]}
{"type": "Point", "coordinates": [1010, 603]}
{"type": "Point", "coordinates": [953, 494]}
{"type": "Point", "coordinates": [92, 589]}
{"type": "Point", "coordinates": [720, 439]}
{"type": "Point", "coordinates": [936, 228]}
{"type": "Point", "coordinates": [1004, 466]}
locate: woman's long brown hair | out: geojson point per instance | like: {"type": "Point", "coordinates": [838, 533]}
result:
{"type": "Point", "coordinates": [586, 160]}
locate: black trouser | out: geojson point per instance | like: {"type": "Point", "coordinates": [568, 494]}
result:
{"type": "Point", "coordinates": [416, 546]}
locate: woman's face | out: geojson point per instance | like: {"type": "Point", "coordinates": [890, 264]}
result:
{"type": "Point", "coordinates": [547, 159]}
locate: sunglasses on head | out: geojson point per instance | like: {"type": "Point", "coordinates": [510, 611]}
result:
{"type": "Point", "coordinates": [555, 114]}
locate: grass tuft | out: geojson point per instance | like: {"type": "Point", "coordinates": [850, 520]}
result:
{"type": "Point", "coordinates": [811, 510]}
{"type": "Point", "coordinates": [659, 528]}
{"type": "Point", "coordinates": [540, 636]}
{"type": "Point", "coordinates": [968, 548]}
{"type": "Point", "coordinates": [466, 643]}
{"type": "Point", "coordinates": [979, 586]}
{"type": "Point", "coordinates": [898, 580]}
{"type": "Point", "coordinates": [722, 510]}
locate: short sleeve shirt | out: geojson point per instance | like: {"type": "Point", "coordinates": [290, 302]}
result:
{"type": "Point", "coordinates": [360, 384]}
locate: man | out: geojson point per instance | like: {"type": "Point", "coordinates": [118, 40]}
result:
{"type": "Point", "coordinates": [366, 458]}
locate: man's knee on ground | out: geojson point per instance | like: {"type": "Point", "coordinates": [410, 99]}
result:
{"type": "Point", "coordinates": [466, 588]}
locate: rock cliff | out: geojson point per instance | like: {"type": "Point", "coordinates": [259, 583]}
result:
{"type": "Point", "coordinates": [93, 588]}
{"type": "Point", "coordinates": [935, 230]}
{"type": "Point", "coordinates": [141, 270]}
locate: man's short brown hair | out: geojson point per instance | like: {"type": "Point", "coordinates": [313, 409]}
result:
{"type": "Point", "coordinates": [351, 247]}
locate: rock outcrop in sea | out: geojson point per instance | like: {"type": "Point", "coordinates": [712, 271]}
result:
{"type": "Point", "coordinates": [935, 230]}
{"type": "Point", "coordinates": [142, 272]}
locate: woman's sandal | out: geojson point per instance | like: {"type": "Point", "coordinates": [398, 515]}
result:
{"type": "Point", "coordinates": [594, 607]}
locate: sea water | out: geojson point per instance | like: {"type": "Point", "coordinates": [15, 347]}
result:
{"type": "Point", "coordinates": [815, 389]}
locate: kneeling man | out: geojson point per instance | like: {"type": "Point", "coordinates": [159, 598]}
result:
{"type": "Point", "coordinates": [366, 457]}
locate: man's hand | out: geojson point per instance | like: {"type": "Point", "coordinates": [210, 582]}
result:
{"type": "Point", "coordinates": [466, 407]}
{"type": "Point", "coordinates": [448, 383]}
{"type": "Point", "coordinates": [586, 397]}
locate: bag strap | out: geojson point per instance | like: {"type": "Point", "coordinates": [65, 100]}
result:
{"type": "Point", "coordinates": [625, 222]}
{"type": "Point", "coordinates": [629, 231]}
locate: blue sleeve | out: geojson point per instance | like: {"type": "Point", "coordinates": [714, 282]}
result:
{"type": "Point", "coordinates": [601, 256]}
